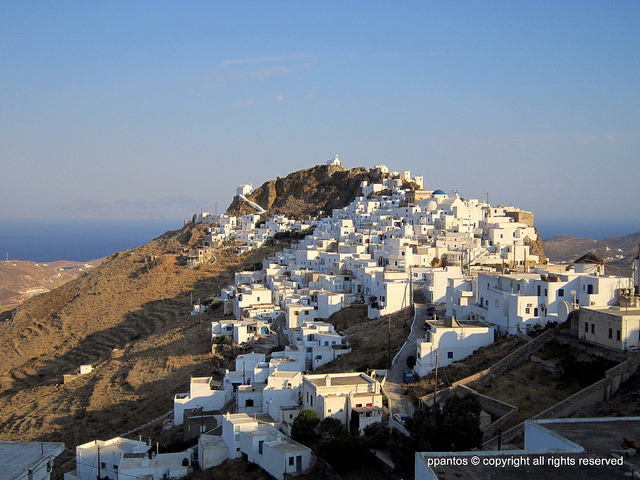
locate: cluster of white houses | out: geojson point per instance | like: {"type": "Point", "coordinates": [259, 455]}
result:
{"type": "Point", "coordinates": [375, 251]}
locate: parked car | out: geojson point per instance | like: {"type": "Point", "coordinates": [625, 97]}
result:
{"type": "Point", "coordinates": [400, 417]}
{"type": "Point", "coordinates": [408, 376]}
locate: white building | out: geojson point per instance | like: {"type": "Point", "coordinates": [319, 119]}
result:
{"type": "Point", "coordinates": [448, 341]}
{"type": "Point", "coordinates": [519, 302]}
{"type": "Point", "coordinates": [264, 445]}
{"type": "Point", "coordinates": [100, 459]}
{"type": "Point", "coordinates": [204, 392]}
{"type": "Point", "coordinates": [616, 327]}
{"type": "Point", "coordinates": [340, 395]}
{"type": "Point", "coordinates": [436, 281]}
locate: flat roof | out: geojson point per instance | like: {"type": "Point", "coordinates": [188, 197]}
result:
{"type": "Point", "coordinates": [339, 379]}
{"type": "Point", "coordinates": [601, 439]}
{"type": "Point", "coordinates": [286, 445]}
{"type": "Point", "coordinates": [515, 465]}
{"type": "Point", "coordinates": [596, 435]}
{"type": "Point", "coordinates": [617, 311]}
{"type": "Point", "coordinates": [17, 457]}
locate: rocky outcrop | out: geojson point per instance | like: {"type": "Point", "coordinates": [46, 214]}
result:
{"type": "Point", "coordinates": [310, 192]}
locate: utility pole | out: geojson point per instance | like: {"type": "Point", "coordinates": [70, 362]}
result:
{"type": "Point", "coordinates": [435, 386]}
{"type": "Point", "coordinates": [389, 343]}
{"type": "Point", "coordinates": [98, 462]}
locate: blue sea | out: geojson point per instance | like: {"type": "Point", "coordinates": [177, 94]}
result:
{"type": "Point", "coordinates": [597, 229]}
{"type": "Point", "coordinates": [76, 239]}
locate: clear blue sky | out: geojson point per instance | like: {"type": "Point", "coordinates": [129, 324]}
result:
{"type": "Point", "coordinates": [536, 102]}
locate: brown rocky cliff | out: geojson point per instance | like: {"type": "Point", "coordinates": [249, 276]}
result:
{"type": "Point", "coordinates": [307, 192]}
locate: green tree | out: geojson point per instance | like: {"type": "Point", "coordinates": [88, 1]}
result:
{"type": "Point", "coordinates": [304, 425]}
{"type": "Point", "coordinates": [332, 427]}
{"type": "Point", "coordinates": [376, 435]}
{"type": "Point", "coordinates": [454, 426]}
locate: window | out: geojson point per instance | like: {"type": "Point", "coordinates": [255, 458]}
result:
{"type": "Point", "coordinates": [539, 290]}
{"type": "Point", "coordinates": [561, 292]}
{"type": "Point", "coordinates": [358, 405]}
{"type": "Point", "coordinates": [527, 310]}
{"type": "Point", "coordinates": [618, 337]}
{"type": "Point", "coordinates": [248, 402]}
{"type": "Point", "coordinates": [291, 460]}
{"type": "Point", "coordinates": [593, 328]}
{"type": "Point", "coordinates": [610, 333]}
{"type": "Point", "coordinates": [103, 465]}
{"type": "Point", "coordinates": [260, 444]}
{"type": "Point", "coordinates": [586, 327]}
{"type": "Point", "coordinates": [497, 304]}
{"type": "Point", "coordinates": [449, 354]}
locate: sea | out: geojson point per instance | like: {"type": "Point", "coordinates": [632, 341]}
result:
{"type": "Point", "coordinates": [76, 239]}
{"type": "Point", "coordinates": [597, 229]}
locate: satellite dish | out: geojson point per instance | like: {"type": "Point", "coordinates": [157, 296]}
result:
{"type": "Point", "coordinates": [564, 309]}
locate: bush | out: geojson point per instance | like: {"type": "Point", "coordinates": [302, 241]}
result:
{"type": "Point", "coordinates": [376, 435]}
{"type": "Point", "coordinates": [304, 425]}
{"type": "Point", "coordinates": [332, 427]}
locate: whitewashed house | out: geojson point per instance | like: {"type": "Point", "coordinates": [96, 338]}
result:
{"type": "Point", "coordinates": [448, 341]}
{"type": "Point", "coordinates": [265, 446]}
{"type": "Point", "coordinates": [204, 392]}
{"type": "Point", "coordinates": [519, 302]}
{"type": "Point", "coordinates": [436, 281]}
{"type": "Point", "coordinates": [338, 395]}
{"type": "Point", "coordinates": [616, 327]}
{"type": "Point", "coordinates": [100, 459]}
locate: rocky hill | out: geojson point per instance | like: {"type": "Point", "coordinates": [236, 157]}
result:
{"type": "Point", "coordinates": [618, 252]}
{"type": "Point", "coordinates": [307, 192]}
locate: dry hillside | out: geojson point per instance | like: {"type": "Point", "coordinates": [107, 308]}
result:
{"type": "Point", "coordinates": [21, 280]}
{"type": "Point", "coordinates": [129, 319]}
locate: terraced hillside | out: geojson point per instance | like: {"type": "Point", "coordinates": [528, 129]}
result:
{"type": "Point", "coordinates": [128, 318]}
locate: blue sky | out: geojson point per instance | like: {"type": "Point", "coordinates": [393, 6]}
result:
{"type": "Point", "coordinates": [536, 103]}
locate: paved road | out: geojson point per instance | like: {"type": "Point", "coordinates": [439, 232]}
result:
{"type": "Point", "coordinates": [398, 403]}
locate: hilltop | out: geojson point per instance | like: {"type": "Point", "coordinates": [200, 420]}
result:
{"type": "Point", "coordinates": [310, 192]}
